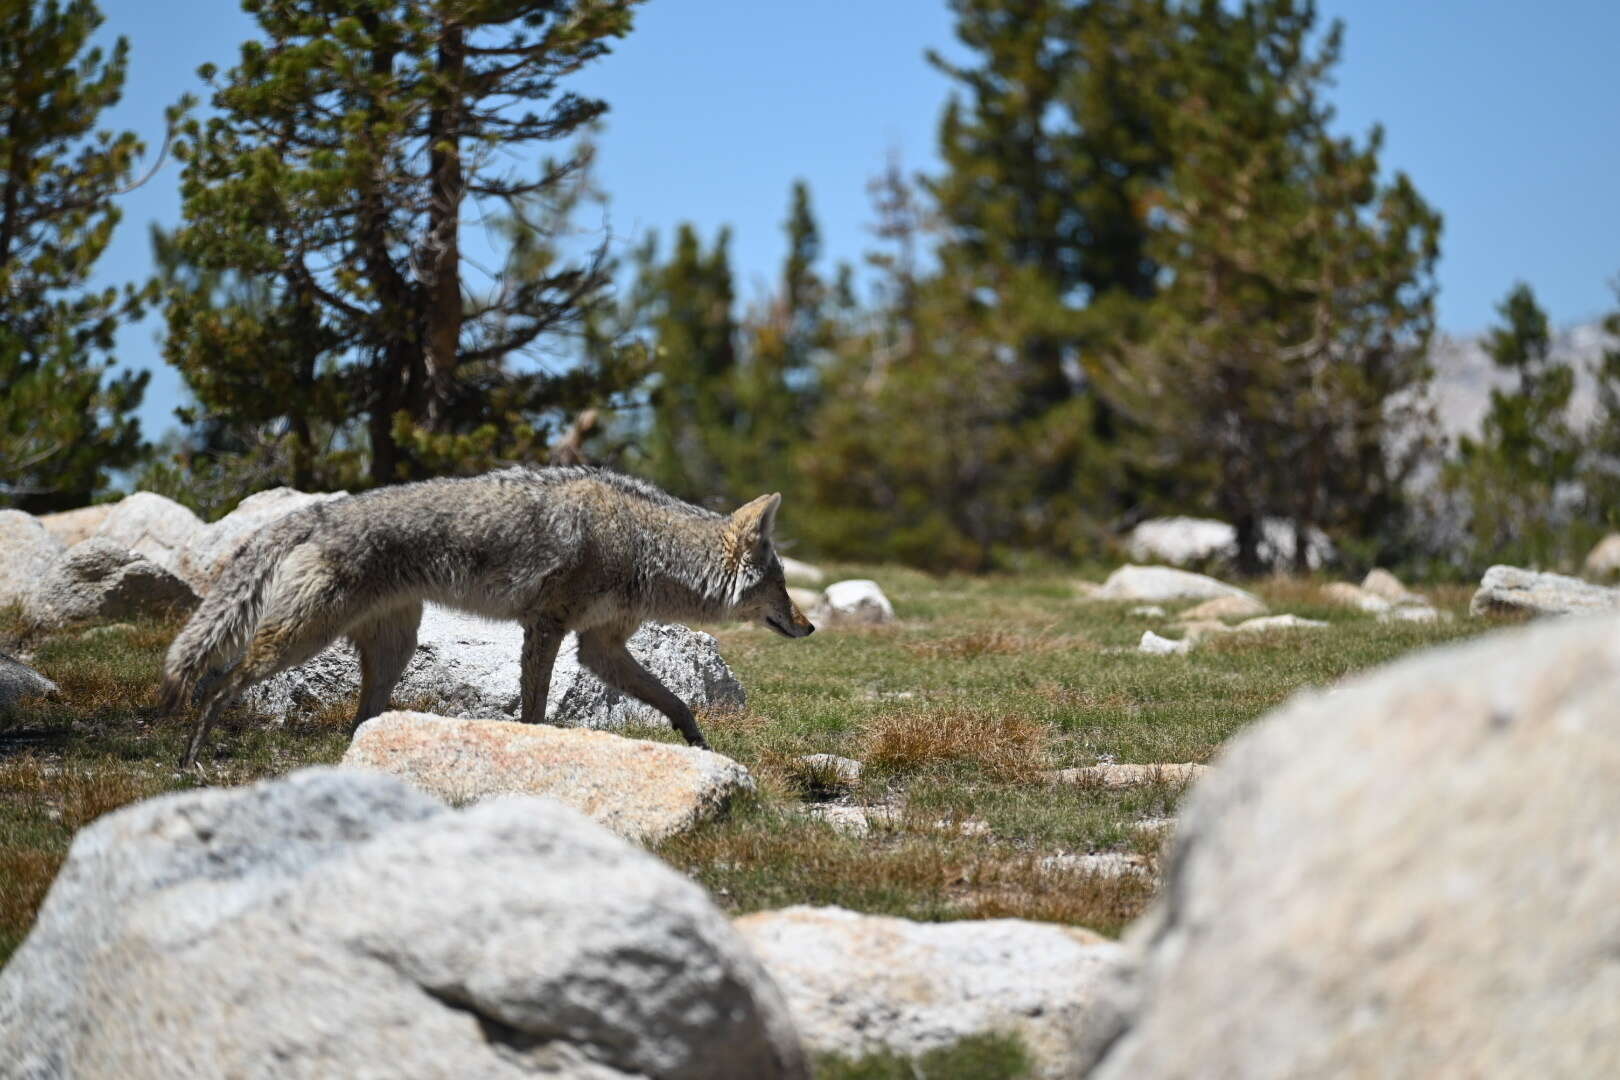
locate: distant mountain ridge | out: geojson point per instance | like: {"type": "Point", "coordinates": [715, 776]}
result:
{"type": "Point", "coordinates": [1464, 376]}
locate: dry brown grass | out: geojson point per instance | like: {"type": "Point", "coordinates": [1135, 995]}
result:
{"type": "Point", "coordinates": [915, 869]}
{"type": "Point", "coordinates": [26, 873]}
{"type": "Point", "coordinates": [14, 626]}
{"type": "Point", "coordinates": [52, 802]}
{"type": "Point", "coordinates": [74, 795]}
{"type": "Point", "coordinates": [85, 796]}
{"type": "Point", "coordinates": [1101, 902]}
{"type": "Point", "coordinates": [1007, 746]}
{"type": "Point", "coordinates": [997, 642]}
{"type": "Point", "coordinates": [1289, 593]}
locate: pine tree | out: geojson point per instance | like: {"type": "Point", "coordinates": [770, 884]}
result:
{"type": "Point", "coordinates": [1600, 471]}
{"type": "Point", "coordinates": [1278, 373]}
{"type": "Point", "coordinates": [1515, 476]}
{"type": "Point", "coordinates": [1054, 154]}
{"type": "Point", "coordinates": [64, 422]}
{"type": "Point", "coordinates": [913, 451]}
{"type": "Point", "coordinates": [783, 338]}
{"type": "Point", "coordinates": [352, 145]}
{"type": "Point", "coordinates": [693, 346]}
{"type": "Point", "coordinates": [250, 347]}
{"type": "Point", "coordinates": [732, 396]}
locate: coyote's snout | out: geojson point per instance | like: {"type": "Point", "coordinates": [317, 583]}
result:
{"type": "Point", "coordinates": [559, 549]}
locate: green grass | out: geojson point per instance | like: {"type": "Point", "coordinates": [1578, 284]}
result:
{"type": "Point", "coordinates": [978, 1057]}
{"type": "Point", "coordinates": [959, 711]}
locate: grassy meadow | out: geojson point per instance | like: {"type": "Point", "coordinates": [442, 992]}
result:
{"type": "Point", "coordinates": [960, 712]}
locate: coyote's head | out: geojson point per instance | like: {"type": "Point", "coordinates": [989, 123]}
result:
{"type": "Point", "coordinates": [761, 588]}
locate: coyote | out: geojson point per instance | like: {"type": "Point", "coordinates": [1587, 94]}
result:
{"type": "Point", "coordinates": [556, 549]}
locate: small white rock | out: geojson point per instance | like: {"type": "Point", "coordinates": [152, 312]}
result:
{"type": "Point", "coordinates": [844, 770]}
{"type": "Point", "coordinates": [858, 600]}
{"type": "Point", "coordinates": [1280, 622]}
{"type": "Point", "coordinates": [1110, 864]}
{"type": "Point", "coordinates": [1155, 645]}
{"type": "Point", "coordinates": [1407, 613]}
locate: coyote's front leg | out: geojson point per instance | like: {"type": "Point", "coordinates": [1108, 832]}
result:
{"type": "Point", "coordinates": [604, 653]}
{"type": "Point", "coordinates": [541, 640]}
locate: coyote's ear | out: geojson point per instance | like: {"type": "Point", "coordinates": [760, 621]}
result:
{"type": "Point", "coordinates": [757, 519]}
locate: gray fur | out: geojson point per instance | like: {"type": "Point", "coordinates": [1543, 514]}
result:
{"type": "Point", "coordinates": [558, 549]}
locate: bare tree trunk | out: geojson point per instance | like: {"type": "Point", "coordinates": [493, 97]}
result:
{"type": "Point", "coordinates": [1248, 544]}
{"type": "Point", "coordinates": [444, 311]}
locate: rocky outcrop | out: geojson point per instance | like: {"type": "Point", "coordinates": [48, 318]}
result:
{"type": "Point", "coordinates": [1354, 597]}
{"type": "Point", "coordinates": [644, 791]}
{"type": "Point", "coordinates": [1157, 584]}
{"type": "Point", "coordinates": [20, 683]}
{"type": "Point", "coordinates": [151, 525]}
{"type": "Point", "coordinates": [1409, 875]}
{"type": "Point", "coordinates": [214, 544]}
{"type": "Point", "coordinates": [467, 666]}
{"type": "Point", "coordinates": [340, 923]}
{"type": "Point", "coordinates": [1510, 590]}
{"type": "Point", "coordinates": [1382, 594]}
{"type": "Point", "coordinates": [27, 551]}
{"type": "Point", "coordinates": [99, 579]}
{"type": "Point", "coordinates": [1385, 585]}
{"type": "Point", "coordinates": [863, 984]}
{"type": "Point", "coordinates": [71, 526]}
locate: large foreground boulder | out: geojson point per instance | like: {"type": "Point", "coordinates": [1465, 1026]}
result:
{"type": "Point", "coordinates": [152, 525]}
{"type": "Point", "coordinates": [27, 551]}
{"type": "Point", "coordinates": [339, 923]}
{"type": "Point", "coordinates": [467, 666]}
{"type": "Point", "coordinates": [99, 579]}
{"type": "Point", "coordinates": [1156, 584]}
{"type": "Point", "coordinates": [864, 984]}
{"type": "Point", "coordinates": [1510, 590]}
{"type": "Point", "coordinates": [642, 790]}
{"type": "Point", "coordinates": [1412, 875]}
{"type": "Point", "coordinates": [213, 545]}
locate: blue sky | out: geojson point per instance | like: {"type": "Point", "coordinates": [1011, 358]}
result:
{"type": "Point", "coordinates": [1506, 116]}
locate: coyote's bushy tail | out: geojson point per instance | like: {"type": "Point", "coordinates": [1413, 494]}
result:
{"type": "Point", "coordinates": [219, 630]}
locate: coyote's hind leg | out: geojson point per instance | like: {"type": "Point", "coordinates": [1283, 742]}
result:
{"type": "Point", "coordinates": [280, 642]}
